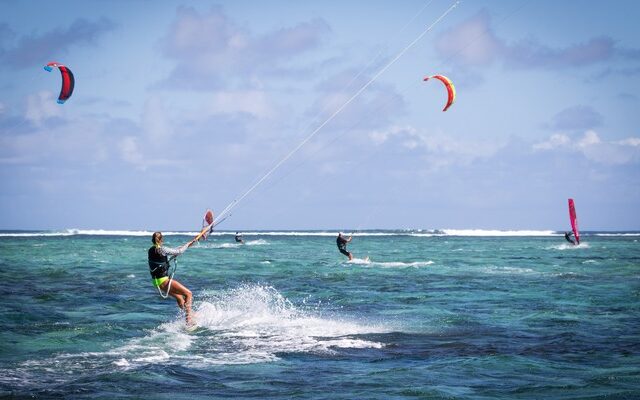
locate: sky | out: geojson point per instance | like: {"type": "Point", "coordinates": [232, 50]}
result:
{"type": "Point", "coordinates": [315, 115]}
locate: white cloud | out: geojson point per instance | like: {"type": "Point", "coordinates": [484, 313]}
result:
{"type": "Point", "coordinates": [554, 142]}
{"type": "Point", "coordinates": [211, 50]}
{"type": "Point", "coordinates": [41, 106]}
{"type": "Point", "coordinates": [379, 137]}
{"type": "Point", "coordinates": [592, 147]}
{"type": "Point", "coordinates": [590, 138]}
{"type": "Point", "coordinates": [633, 142]}
{"type": "Point", "coordinates": [472, 42]}
{"type": "Point", "coordinates": [130, 153]}
{"type": "Point", "coordinates": [440, 150]}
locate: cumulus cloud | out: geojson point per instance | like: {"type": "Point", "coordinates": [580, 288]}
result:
{"type": "Point", "coordinates": [42, 106]}
{"type": "Point", "coordinates": [591, 146]}
{"type": "Point", "coordinates": [158, 134]}
{"type": "Point", "coordinates": [440, 150]}
{"type": "Point", "coordinates": [209, 45]}
{"type": "Point", "coordinates": [33, 49]}
{"type": "Point", "coordinates": [554, 142]}
{"type": "Point", "coordinates": [633, 142]}
{"type": "Point", "coordinates": [48, 143]}
{"type": "Point", "coordinates": [474, 43]}
{"type": "Point", "coordinates": [130, 152]}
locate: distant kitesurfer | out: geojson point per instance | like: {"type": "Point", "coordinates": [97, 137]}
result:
{"type": "Point", "coordinates": [342, 241]}
{"type": "Point", "coordinates": [567, 235]}
{"type": "Point", "coordinates": [239, 238]}
{"type": "Point", "coordinates": [159, 269]}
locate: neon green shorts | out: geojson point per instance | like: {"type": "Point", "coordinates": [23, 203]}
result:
{"type": "Point", "coordinates": [159, 281]}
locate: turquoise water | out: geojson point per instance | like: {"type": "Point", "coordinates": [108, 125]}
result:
{"type": "Point", "coordinates": [285, 316]}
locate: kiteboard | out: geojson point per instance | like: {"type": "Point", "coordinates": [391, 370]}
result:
{"type": "Point", "coordinates": [574, 220]}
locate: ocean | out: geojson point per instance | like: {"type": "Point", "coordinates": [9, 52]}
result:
{"type": "Point", "coordinates": [431, 315]}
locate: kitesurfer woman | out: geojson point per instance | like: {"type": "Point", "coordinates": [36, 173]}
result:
{"type": "Point", "coordinates": [159, 269]}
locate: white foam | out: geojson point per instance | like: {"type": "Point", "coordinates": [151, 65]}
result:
{"type": "Point", "coordinates": [248, 324]}
{"type": "Point", "coordinates": [223, 245]}
{"type": "Point", "coordinates": [569, 246]}
{"type": "Point", "coordinates": [508, 270]}
{"type": "Point", "coordinates": [258, 242]}
{"type": "Point", "coordinates": [399, 264]}
{"type": "Point", "coordinates": [390, 264]}
{"type": "Point", "coordinates": [121, 363]}
{"type": "Point", "coordinates": [258, 321]}
{"type": "Point", "coordinates": [359, 261]}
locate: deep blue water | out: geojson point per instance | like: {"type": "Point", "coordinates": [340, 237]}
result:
{"type": "Point", "coordinates": [284, 316]}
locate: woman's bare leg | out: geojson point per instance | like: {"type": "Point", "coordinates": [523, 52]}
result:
{"type": "Point", "coordinates": [183, 296]}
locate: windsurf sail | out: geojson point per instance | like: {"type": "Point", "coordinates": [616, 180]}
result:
{"type": "Point", "coordinates": [574, 220]}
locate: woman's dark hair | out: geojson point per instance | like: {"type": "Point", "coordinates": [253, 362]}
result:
{"type": "Point", "coordinates": [155, 238]}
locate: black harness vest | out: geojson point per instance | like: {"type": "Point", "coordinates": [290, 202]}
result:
{"type": "Point", "coordinates": [158, 264]}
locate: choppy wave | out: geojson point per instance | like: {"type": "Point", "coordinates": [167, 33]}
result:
{"type": "Point", "coordinates": [247, 324]}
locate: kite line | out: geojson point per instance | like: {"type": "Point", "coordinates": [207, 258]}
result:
{"type": "Point", "coordinates": [235, 202]}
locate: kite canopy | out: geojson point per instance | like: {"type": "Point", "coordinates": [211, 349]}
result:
{"type": "Point", "coordinates": [451, 90]}
{"type": "Point", "coordinates": [68, 82]}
